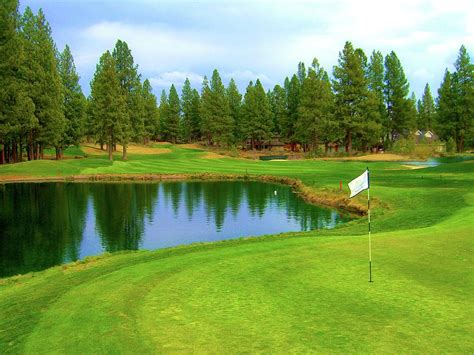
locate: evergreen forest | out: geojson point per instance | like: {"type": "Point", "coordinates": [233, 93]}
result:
{"type": "Point", "coordinates": [363, 103]}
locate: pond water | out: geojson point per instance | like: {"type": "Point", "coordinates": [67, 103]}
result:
{"type": "Point", "coordinates": [47, 224]}
{"type": "Point", "coordinates": [432, 162]}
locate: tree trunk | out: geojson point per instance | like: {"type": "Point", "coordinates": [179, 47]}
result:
{"type": "Point", "coordinates": [14, 153]}
{"type": "Point", "coordinates": [58, 153]}
{"type": "Point", "coordinates": [110, 150]}
{"type": "Point", "coordinates": [41, 152]}
{"type": "Point", "coordinates": [2, 154]}
{"type": "Point", "coordinates": [20, 153]}
{"type": "Point", "coordinates": [461, 143]}
{"type": "Point", "coordinates": [124, 152]}
{"type": "Point", "coordinates": [349, 142]}
{"type": "Point", "coordinates": [101, 145]}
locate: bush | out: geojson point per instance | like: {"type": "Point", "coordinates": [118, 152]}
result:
{"type": "Point", "coordinates": [403, 146]}
{"type": "Point", "coordinates": [450, 145]}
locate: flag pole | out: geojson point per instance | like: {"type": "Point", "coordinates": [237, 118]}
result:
{"type": "Point", "coordinates": [370, 242]}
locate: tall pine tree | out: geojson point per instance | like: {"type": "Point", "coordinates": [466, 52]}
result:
{"type": "Point", "coordinates": [399, 112]}
{"type": "Point", "coordinates": [74, 102]}
{"type": "Point", "coordinates": [151, 114]}
{"type": "Point", "coordinates": [43, 82]}
{"type": "Point", "coordinates": [216, 122]}
{"type": "Point", "coordinates": [235, 106]}
{"type": "Point", "coordinates": [315, 110]}
{"type": "Point", "coordinates": [351, 88]}
{"type": "Point", "coordinates": [108, 104]}
{"type": "Point", "coordinates": [426, 110]}
{"type": "Point", "coordinates": [186, 128]}
{"type": "Point", "coordinates": [16, 107]}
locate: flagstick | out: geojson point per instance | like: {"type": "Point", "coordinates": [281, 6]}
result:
{"type": "Point", "coordinates": [370, 243]}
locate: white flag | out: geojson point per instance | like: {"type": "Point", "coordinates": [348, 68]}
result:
{"type": "Point", "coordinates": [359, 184]}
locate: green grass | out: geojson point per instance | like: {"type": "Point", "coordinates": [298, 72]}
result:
{"type": "Point", "coordinates": [276, 294]}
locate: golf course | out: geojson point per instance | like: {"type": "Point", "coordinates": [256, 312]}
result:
{"type": "Point", "coordinates": [295, 292]}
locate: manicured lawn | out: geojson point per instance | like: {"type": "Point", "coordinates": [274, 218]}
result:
{"type": "Point", "coordinates": [282, 293]}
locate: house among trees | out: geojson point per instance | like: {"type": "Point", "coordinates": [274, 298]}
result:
{"type": "Point", "coordinates": [422, 136]}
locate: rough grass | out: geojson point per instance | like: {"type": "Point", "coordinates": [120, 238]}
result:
{"type": "Point", "coordinates": [290, 293]}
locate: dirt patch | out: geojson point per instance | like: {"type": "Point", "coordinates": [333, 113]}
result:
{"type": "Point", "coordinates": [191, 146]}
{"type": "Point", "coordinates": [414, 167]}
{"type": "Point", "coordinates": [211, 155]}
{"type": "Point", "coordinates": [132, 149]}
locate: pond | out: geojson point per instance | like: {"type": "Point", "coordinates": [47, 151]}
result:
{"type": "Point", "coordinates": [47, 224]}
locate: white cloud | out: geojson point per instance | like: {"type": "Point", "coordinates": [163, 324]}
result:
{"type": "Point", "coordinates": [155, 47]}
{"type": "Point", "coordinates": [248, 40]}
{"type": "Point", "coordinates": [165, 80]}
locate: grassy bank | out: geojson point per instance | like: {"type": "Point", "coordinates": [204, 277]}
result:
{"type": "Point", "coordinates": [285, 293]}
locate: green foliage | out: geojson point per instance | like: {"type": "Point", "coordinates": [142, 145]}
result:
{"type": "Point", "coordinates": [403, 146]}
{"type": "Point", "coordinates": [456, 102]}
{"type": "Point", "coordinates": [279, 107]}
{"type": "Point", "coordinates": [108, 104]}
{"type": "Point", "coordinates": [426, 111]}
{"type": "Point", "coordinates": [217, 125]}
{"type": "Point", "coordinates": [151, 114]}
{"type": "Point", "coordinates": [74, 102]}
{"type": "Point", "coordinates": [186, 128]}
{"type": "Point", "coordinates": [450, 145]}
{"type": "Point", "coordinates": [257, 122]}
{"type": "Point", "coordinates": [16, 107]}
{"type": "Point", "coordinates": [235, 106]}
{"type": "Point", "coordinates": [174, 115]}
{"type": "Point", "coordinates": [43, 81]}
{"type": "Point", "coordinates": [401, 117]}
{"type": "Point", "coordinates": [315, 110]}
{"type": "Point", "coordinates": [127, 72]}
{"type": "Point", "coordinates": [375, 76]}
{"type": "Point", "coordinates": [293, 99]}
{"type": "Point", "coordinates": [356, 107]}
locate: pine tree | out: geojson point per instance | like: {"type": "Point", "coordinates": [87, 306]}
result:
{"type": "Point", "coordinates": [315, 110]}
{"type": "Point", "coordinates": [396, 98]}
{"type": "Point", "coordinates": [375, 75]}
{"type": "Point", "coordinates": [426, 110]}
{"type": "Point", "coordinates": [16, 108]}
{"type": "Point", "coordinates": [163, 112]}
{"type": "Point", "coordinates": [464, 88]}
{"type": "Point", "coordinates": [288, 127]}
{"type": "Point", "coordinates": [186, 128]}
{"type": "Point", "coordinates": [216, 123]}
{"type": "Point", "coordinates": [446, 107]}
{"type": "Point", "coordinates": [107, 103]}
{"type": "Point", "coordinates": [174, 115]}
{"type": "Point", "coordinates": [279, 107]}
{"type": "Point", "coordinates": [127, 72]}
{"type": "Point", "coordinates": [351, 88]}
{"type": "Point", "coordinates": [74, 102]}
{"type": "Point", "coordinates": [235, 105]}
{"type": "Point", "coordinates": [195, 116]}
{"type": "Point", "coordinates": [257, 123]}
{"type": "Point", "coordinates": [301, 72]}
{"type": "Point", "coordinates": [43, 82]}
{"type": "Point", "coordinates": [151, 114]}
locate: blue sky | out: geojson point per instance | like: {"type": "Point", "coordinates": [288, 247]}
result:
{"type": "Point", "coordinates": [172, 40]}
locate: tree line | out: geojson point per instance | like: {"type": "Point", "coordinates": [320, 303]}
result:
{"type": "Point", "coordinates": [364, 104]}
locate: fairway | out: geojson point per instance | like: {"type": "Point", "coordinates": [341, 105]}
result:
{"type": "Point", "coordinates": [296, 292]}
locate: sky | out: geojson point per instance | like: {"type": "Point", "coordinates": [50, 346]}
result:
{"type": "Point", "coordinates": [246, 40]}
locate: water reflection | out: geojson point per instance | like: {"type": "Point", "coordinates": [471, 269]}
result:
{"type": "Point", "coordinates": [46, 224]}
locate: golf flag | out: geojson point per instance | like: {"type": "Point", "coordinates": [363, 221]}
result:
{"type": "Point", "coordinates": [359, 184]}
